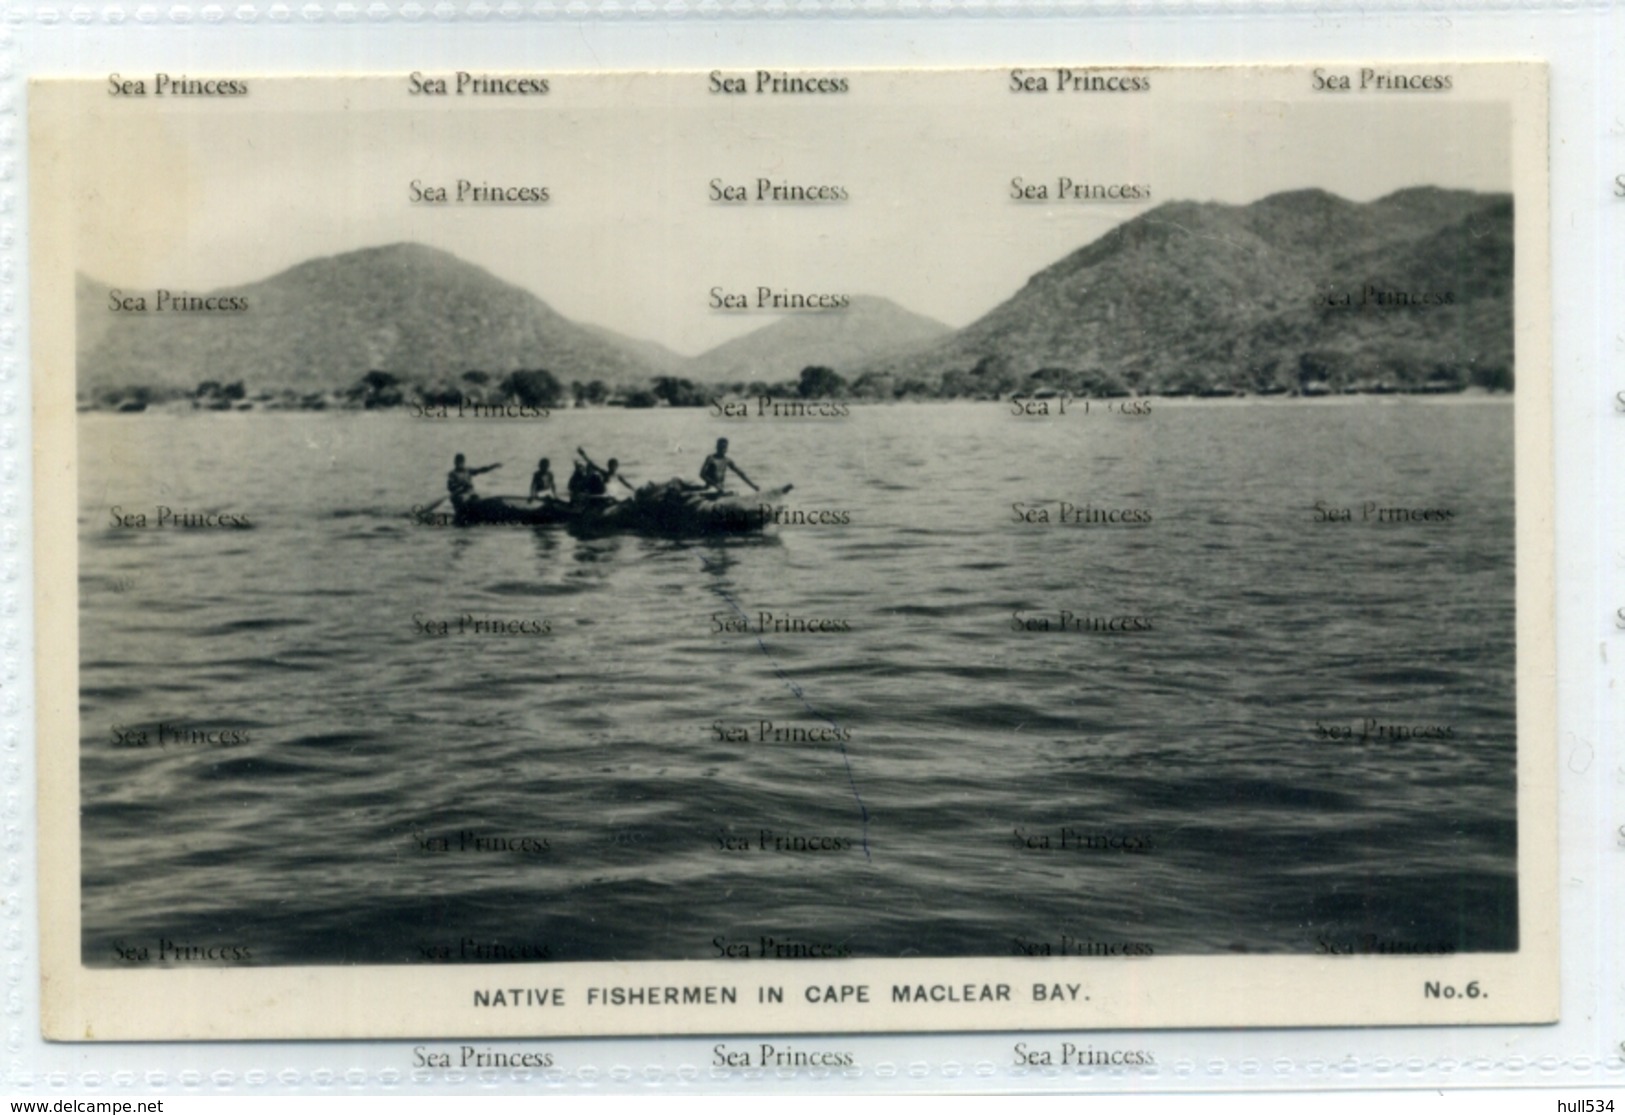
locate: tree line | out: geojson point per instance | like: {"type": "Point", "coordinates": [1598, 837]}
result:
{"type": "Point", "coordinates": [992, 377]}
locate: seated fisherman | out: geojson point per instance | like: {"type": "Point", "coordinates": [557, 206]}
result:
{"type": "Point", "coordinates": [460, 480]}
{"type": "Point", "coordinates": [598, 478]}
{"type": "Point", "coordinates": [542, 480]}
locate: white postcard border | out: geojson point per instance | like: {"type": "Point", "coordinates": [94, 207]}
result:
{"type": "Point", "coordinates": [1445, 1059]}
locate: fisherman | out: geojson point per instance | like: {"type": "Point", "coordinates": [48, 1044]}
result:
{"type": "Point", "coordinates": [714, 472]}
{"type": "Point", "coordinates": [460, 481]}
{"type": "Point", "coordinates": [542, 480]}
{"type": "Point", "coordinates": [596, 478]}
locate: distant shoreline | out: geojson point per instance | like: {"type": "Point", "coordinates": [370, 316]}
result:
{"type": "Point", "coordinates": [179, 407]}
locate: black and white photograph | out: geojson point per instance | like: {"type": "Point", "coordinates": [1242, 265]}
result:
{"type": "Point", "coordinates": [849, 550]}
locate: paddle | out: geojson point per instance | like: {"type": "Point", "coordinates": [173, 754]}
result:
{"type": "Point", "coordinates": [739, 472]}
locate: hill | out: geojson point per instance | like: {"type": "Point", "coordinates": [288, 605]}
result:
{"type": "Point", "coordinates": [91, 316]}
{"type": "Point", "coordinates": [421, 314]}
{"type": "Point", "coordinates": [657, 356]}
{"type": "Point", "coordinates": [843, 340]}
{"type": "Point", "coordinates": [1298, 291]}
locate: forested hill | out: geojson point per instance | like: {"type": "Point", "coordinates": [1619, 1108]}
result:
{"type": "Point", "coordinates": [419, 313]}
{"type": "Point", "coordinates": [844, 340]}
{"type": "Point", "coordinates": [1298, 291]}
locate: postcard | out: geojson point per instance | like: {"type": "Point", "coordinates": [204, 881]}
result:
{"type": "Point", "coordinates": [747, 552]}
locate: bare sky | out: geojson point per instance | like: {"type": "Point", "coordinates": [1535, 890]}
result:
{"type": "Point", "coordinates": [208, 193]}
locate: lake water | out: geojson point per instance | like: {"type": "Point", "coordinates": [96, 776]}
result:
{"type": "Point", "coordinates": [404, 797]}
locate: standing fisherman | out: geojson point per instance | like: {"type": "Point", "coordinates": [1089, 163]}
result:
{"type": "Point", "coordinates": [716, 467]}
